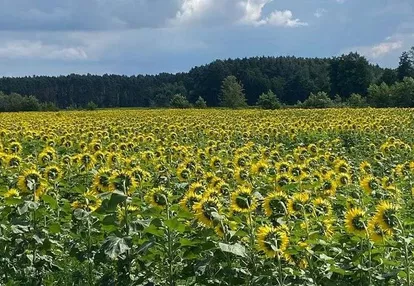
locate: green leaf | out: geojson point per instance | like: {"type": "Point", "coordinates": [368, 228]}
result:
{"type": "Point", "coordinates": [50, 201]}
{"type": "Point", "coordinates": [117, 197]}
{"type": "Point", "coordinates": [12, 201]}
{"type": "Point", "coordinates": [114, 246]}
{"type": "Point", "coordinates": [236, 249]}
{"type": "Point", "coordinates": [55, 228]}
{"type": "Point", "coordinates": [152, 229]}
{"type": "Point", "coordinates": [188, 242]}
{"type": "Point", "coordinates": [174, 224]}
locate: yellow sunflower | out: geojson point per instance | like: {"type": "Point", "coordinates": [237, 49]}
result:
{"type": "Point", "coordinates": [189, 200]}
{"type": "Point", "coordinates": [355, 222]}
{"type": "Point", "coordinates": [122, 181]}
{"type": "Point", "coordinates": [275, 204]}
{"type": "Point", "coordinates": [53, 173]}
{"type": "Point", "coordinates": [385, 216]}
{"type": "Point", "coordinates": [369, 184]}
{"type": "Point", "coordinates": [31, 181]}
{"type": "Point", "coordinates": [243, 200]}
{"type": "Point", "coordinates": [158, 197]}
{"type": "Point", "coordinates": [272, 241]}
{"type": "Point", "coordinates": [206, 211]}
{"type": "Point", "coordinates": [376, 233]}
{"type": "Point", "coordinates": [101, 179]}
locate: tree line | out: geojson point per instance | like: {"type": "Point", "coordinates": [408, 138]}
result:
{"type": "Point", "coordinates": [270, 82]}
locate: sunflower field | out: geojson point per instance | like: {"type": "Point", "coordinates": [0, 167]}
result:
{"type": "Point", "coordinates": [207, 197]}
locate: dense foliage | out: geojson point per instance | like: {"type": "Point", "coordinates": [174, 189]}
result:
{"type": "Point", "coordinates": [207, 197]}
{"type": "Point", "coordinates": [291, 79]}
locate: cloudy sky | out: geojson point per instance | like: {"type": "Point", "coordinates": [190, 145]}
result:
{"type": "Point", "coordinates": [50, 37]}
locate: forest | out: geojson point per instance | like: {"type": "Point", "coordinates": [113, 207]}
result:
{"type": "Point", "coordinates": [291, 79]}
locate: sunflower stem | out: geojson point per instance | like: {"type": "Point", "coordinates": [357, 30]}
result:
{"type": "Point", "coordinates": [169, 247]}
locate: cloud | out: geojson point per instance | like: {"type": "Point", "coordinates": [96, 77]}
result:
{"type": "Point", "coordinates": [38, 50]}
{"type": "Point", "coordinates": [319, 13]}
{"type": "Point", "coordinates": [284, 19]}
{"type": "Point", "coordinates": [392, 44]}
{"type": "Point", "coordinates": [230, 12]}
{"type": "Point", "coordinates": [384, 48]}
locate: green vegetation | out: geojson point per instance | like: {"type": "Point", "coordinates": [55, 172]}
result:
{"type": "Point", "coordinates": [291, 79]}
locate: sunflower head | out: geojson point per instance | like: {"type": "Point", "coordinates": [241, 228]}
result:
{"type": "Point", "coordinates": [355, 222]}
{"type": "Point", "coordinates": [158, 197]}
{"type": "Point", "coordinates": [122, 181]}
{"type": "Point", "coordinates": [272, 241]}
{"type": "Point", "coordinates": [13, 161]}
{"type": "Point", "coordinates": [369, 184]}
{"type": "Point", "coordinates": [102, 179]}
{"type": "Point", "coordinates": [275, 205]}
{"type": "Point", "coordinates": [53, 173]}
{"type": "Point", "coordinates": [376, 233]}
{"type": "Point", "coordinates": [243, 200]}
{"type": "Point", "coordinates": [205, 211]}
{"type": "Point", "coordinates": [189, 200]}
{"type": "Point", "coordinates": [12, 193]}
{"type": "Point", "coordinates": [386, 216]}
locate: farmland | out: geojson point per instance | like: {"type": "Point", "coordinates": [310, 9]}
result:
{"type": "Point", "coordinates": [207, 197]}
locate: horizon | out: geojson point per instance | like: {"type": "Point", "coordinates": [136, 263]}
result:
{"type": "Point", "coordinates": [142, 37]}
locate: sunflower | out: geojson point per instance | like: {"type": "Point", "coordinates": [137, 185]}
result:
{"type": "Point", "coordinates": [53, 173]}
{"type": "Point", "coordinates": [43, 158]}
{"type": "Point", "coordinates": [224, 227]}
{"type": "Point", "coordinates": [113, 159]}
{"type": "Point", "coordinates": [344, 179]}
{"type": "Point", "coordinates": [241, 160]}
{"type": "Point", "coordinates": [329, 187]}
{"type": "Point", "coordinates": [296, 172]}
{"type": "Point", "coordinates": [215, 163]}
{"type": "Point", "coordinates": [183, 173]}
{"type": "Point", "coordinates": [120, 211]}
{"type": "Point", "coordinates": [223, 187]}
{"type": "Point", "coordinates": [385, 216]}
{"type": "Point", "coordinates": [13, 161]}
{"type": "Point", "coordinates": [282, 180]}
{"type": "Point", "coordinates": [341, 166]}
{"type": "Point", "coordinates": [15, 147]}
{"type": "Point", "coordinates": [259, 168]}
{"type": "Point", "coordinates": [189, 200]}
{"type": "Point", "coordinates": [139, 174]}
{"type": "Point", "coordinates": [272, 241]}
{"type": "Point", "coordinates": [158, 197]}
{"type": "Point", "coordinates": [369, 184]}
{"type": "Point", "coordinates": [282, 167]}
{"type": "Point", "coordinates": [100, 157]}
{"type": "Point", "coordinates": [325, 228]}
{"type": "Point", "coordinates": [355, 222]}
{"type": "Point", "coordinates": [197, 188]}
{"type": "Point", "coordinates": [12, 193]}
{"type": "Point", "coordinates": [31, 181]}
{"type": "Point", "coordinates": [87, 161]}
{"type": "Point", "coordinates": [243, 200]}
{"type": "Point", "coordinates": [322, 207]}
{"type": "Point", "coordinates": [206, 211]}
{"type": "Point", "coordinates": [101, 179]}
{"type": "Point", "coordinates": [275, 204]}
{"type": "Point", "coordinates": [376, 233]}
{"type": "Point", "coordinates": [122, 181]}
{"type": "Point", "coordinates": [297, 203]}
{"type": "Point", "coordinates": [365, 168]}
{"type": "Point", "coordinates": [242, 175]}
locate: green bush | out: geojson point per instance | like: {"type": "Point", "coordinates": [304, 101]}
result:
{"type": "Point", "coordinates": [268, 100]}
